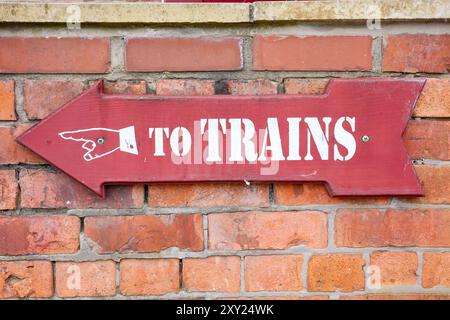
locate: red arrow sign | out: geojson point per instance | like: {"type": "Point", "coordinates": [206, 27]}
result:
{"type": "Point", "coordinates": [349, 137]}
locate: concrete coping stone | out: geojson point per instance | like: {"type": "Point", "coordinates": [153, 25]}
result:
{"type": "Point", "coordinates": [224, 13]}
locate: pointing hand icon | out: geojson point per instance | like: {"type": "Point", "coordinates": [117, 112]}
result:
{"type": "Point", "coordinates": [99, 142]}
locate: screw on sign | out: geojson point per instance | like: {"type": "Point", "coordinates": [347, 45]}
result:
{"type": "Point", "coordinates": [349, 137]}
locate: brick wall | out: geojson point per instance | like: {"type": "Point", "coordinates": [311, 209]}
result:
{"type": "Point", "coordinates": [206, 240]}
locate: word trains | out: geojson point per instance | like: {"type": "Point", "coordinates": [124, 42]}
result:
{"type": "Point", "coordinates": [296, 139]}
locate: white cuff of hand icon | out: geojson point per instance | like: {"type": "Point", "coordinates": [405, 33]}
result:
{"type": "Point", "coordinates": [128, 140]}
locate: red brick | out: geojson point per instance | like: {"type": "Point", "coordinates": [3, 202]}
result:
{"type": "Point", "coordinates": [149, 277]}
{"type": "Point", "coordinates": [41, 97]}
{"type": "Point", "coordinates": [43, 189]}
{"type": "Point", "coordinates": [208, 195]}
{"type": "Point", "coordinates": [125, 87]}
{"type": "Point", "coordinates": [273, 273]}
{"type": "Point", "coordinates": [305, 86]}
{"type": "Point", "coordinates": [417, 53]}
{"type": "Point", "coordinates": [7, 102]}
{"type": "Point", "coordinates": [26, 279]}
{"type": "Point", "coordinates": [183, 54]}
{"type": "Point", "coordinates": [411, 296]}
{"type": "Point", "coordinates": [435, 180]}
{"type": "Point", "coordinates": [54, 55]}
{"type": "Point", "coordinates": [9, 190]}
{"type": "Point", "coordinates": [144, 233]}
{"type": "Point", "coordinates": [436, 270]}
{"type": "Point", "coordinates": [428, 139]}
{"type": "Point", "coordinates": [189, 87]}
{"type": "Point", "coordinates": [267, 230]}
{"type": "Point", "coordinates": [293, 194]}
{"type": "Point", "coordinates": [396, 268]}
{"type": "Point", "coordinates": [382, 228]}
{"type": "Point", "coordinates": [357, 297]}
{"type": "Point", "coordinates": [336, 272]}
{"type": "Point", "coordinates": [434, 101]}
{"type": "Point", "coordinates": [313, 53]}
{"type": "Point", "coordinates": [249, 87]}
{"type": "Point", "coordinates": [39, 235]}
{"type": "Point", "coordinates": [219, 274]}
{"type": "Point", "coordinates": [85, 279]}
{"type": "Point", "coordinates": [13, 152]}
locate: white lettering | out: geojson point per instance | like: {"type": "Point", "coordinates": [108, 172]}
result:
{"type": "Point", "coordinates": [186, 141]}
{"type": "Point", "coordinates": [344, 138]}
{"type": "Point", "coordinates": [213, 137]}
{"type": "Point", "coordinates": [275, 142]}
{"type": "Point", "coordinates": [320, 138]}
{"type": "Point", "coordinates": [159, 143]}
